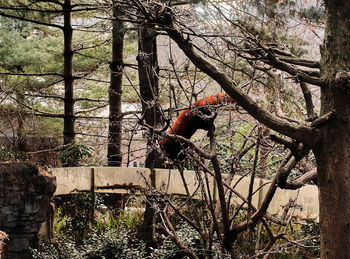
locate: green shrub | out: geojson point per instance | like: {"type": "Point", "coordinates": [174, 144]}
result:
{"type": "Point", "coordinates": [108, 244]}
{"type": "Point", "coordinates": [10, 153]}
{"type": "Point", "coordinates": [73, 153]}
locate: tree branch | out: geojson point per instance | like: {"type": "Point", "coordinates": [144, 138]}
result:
{"type": "Point", "coordinates": [311, 115]}
{"type": "Point", "coordinates": [31, 21]}
{"type": "Point", "coordinates": [301, 181]}
{"type": "Point", "coordinates": [301, 62]}
{"type": "Point", "coordinates": [287, 165]}
{"type": "Point", "coordinates": [301, 75]}
{"type": "Point", "coordinates": [303, 133]}
{"type": "Point", "coordinates": [292, 59]}
{"type": "Point", "coordinates": [31, 74]}
{"type": "Point", "coordinates": [173, 235]}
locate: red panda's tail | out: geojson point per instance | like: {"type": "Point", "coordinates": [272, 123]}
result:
{"type": "Point", "coordinates": [213, 99]}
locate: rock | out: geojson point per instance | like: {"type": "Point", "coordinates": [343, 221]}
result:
{"type": "Point", "coordinates": [25, 195]}
{"type": "Point", "coordinates": [3, 241]}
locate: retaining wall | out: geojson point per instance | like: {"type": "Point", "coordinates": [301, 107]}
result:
{"type": "Point", "coordinates": [139, 180]}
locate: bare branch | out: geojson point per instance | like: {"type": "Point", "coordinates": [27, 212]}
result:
{"type": "Point", "coordinates": [311, 115]}
{"type": "Point", "coordinates": [31, 74]}
{"type": "Point", "coordinates": [219, 182]}
{"type": "Point", "coordinates": [287, 165]}
{"type": "Point", "coordinates": [30, 20]}
{"type": "Point", "coordinates": [301, 75]}
{"type": "Point", "coordinates": [227, 185]}
{"type": "Point", "coordinates": [300, 132]}
{"type": "Point", "coordinates": [292, 59]}
{"type": "Point", "coordinates": [173, 235]}
{"type": "Point", "coordinates": [323, 119]}
{"type": "Point", "coordinates": [301, 62]}
{"type": "Point", "coordinates": [302, 180]}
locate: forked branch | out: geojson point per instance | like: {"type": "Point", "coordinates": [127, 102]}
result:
{"type": "Point", "coordinates": [300, 132]}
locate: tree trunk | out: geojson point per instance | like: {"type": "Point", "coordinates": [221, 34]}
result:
{"type": "Point", "coordinates": [68, 123]}
{"type": "Point", "coordinates": [20, 145]}
{"type": "Point", "coordinates": [115, 95]}
{"type": "Point", "coordinates": [333, 153]}
{"type": "Point", "coordinates": [148, 78]}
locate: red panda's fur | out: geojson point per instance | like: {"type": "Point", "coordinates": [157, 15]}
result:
{"type": "Point", "coordinates": [188, 121]}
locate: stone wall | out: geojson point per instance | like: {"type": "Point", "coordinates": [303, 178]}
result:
{"type": "Point", "coordinates": [25, 194]}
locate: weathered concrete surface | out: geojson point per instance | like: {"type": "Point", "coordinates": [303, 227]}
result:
{"type": "Point", "coordinates": [102, 179]}
{"type": "Point", "coordinates": [138, 180]}
{"type": "Point", "coordinates": [70, 179]}
{"type": "Point", "coordinates": [171, 182]}
{"type": "Point", "coordinates": [306, 198]}
{"type": "Point", "coordinates": [121, 179]}
{"type": "Point", "coordinates": [25, 194]}
{"type": "Point", "coordinates": [241, 185]}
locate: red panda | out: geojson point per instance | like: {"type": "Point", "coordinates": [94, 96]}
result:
{"type": "Point", "coordinates": [188, 121]}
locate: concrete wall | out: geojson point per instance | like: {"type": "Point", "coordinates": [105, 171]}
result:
{"type": "Point", "coordinates": [141, 180]}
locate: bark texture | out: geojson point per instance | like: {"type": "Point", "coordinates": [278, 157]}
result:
{"type": "Point", "coordinates": [333, 152]}
{"type": "Point", "coordinates": [114, 154]}
{"type": "Point", "coordinates": [68, 121]}
{"type": "Point", "coordinates": [148, 77]}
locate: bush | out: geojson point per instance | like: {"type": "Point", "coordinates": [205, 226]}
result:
{"type": "Point", "coordinates": [108, 244]}
{"type": "Point", "coordinates": [73, 153]}
{"type": "Point", "coordinates": [10, 153]}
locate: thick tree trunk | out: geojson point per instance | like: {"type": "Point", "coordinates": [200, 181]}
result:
{"type": "Point", "coordinates": [333, 161]}
{"type": "Point", "coordinates": [68, 123]}
{"type": "Point", "coordinates": [333, 153]}
{"type": "Point", "coordinates": [115, 95]}
{"type": "Point", "coordinates": [148, 78]}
